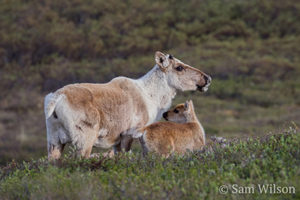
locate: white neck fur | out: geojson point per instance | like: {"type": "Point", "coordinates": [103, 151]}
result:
{"type": "Point", "coordinates": [157, 93]}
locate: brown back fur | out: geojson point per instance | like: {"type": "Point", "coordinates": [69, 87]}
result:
{"type": "Point", "coordinates": [107, 105]}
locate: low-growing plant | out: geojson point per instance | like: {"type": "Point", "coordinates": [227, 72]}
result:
{"type": "Point", "coordinates": [271, 159]}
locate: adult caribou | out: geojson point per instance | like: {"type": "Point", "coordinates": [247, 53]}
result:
{"type": "Point", "coordinates": [105, 115]}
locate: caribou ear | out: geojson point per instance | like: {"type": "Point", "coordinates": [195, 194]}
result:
{"type": "Point", "coordinates": [186, 105]}
{"type": "Point", "coordinates": [191, 105]}
{"type": "Point", "coordinates": [161, 60]}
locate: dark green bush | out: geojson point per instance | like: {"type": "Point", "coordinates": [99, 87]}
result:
{"type": "Point", "coordinates": [30, 31]}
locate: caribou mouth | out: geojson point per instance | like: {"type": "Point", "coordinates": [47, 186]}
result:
{"type": "Point", "coordinates": [203, 88]}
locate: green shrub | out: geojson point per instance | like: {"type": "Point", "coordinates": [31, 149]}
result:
{"type": "Point", "coordinates": [272, 159]}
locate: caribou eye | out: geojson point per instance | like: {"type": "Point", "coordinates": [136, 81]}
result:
{"type": "Point", "coordinates": [179, 68]}
{"type": "Point", "coordinates": [176, 111]}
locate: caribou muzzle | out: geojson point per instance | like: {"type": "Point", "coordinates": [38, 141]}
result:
{"type": "Point", "coordinates": [204, 88]}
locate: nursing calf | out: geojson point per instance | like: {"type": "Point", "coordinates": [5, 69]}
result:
{"type": "Point", "coordinates": [183, 132]}
{"type": "Point", "coordinates": [106, 115]}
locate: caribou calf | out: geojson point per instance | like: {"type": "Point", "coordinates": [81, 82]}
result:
{"type": "Point", "coordinates": [106, 115]}
{"type": "Point", "coordinates": [183, 132]}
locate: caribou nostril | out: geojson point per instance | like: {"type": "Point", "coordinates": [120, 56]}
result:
{"type": "Point", "coordinates": [165, 115]}
{"type": "Point", "coordinates": [207, 79]}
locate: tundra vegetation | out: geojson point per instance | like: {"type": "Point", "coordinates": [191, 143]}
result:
{"type": "Point", "coordinates": [250, 48]}
{"type": "Point", "coordinates": [247, 163]}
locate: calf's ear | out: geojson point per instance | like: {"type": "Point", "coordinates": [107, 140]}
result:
{"type": "Point", "coordinates": [186, 105]}
{"type": "Point", "coordinates": [191, 105]}
{"type": "Point", "coordinates": [161, 60]}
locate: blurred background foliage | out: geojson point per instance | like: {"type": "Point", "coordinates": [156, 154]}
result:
{"type": "Point", "coordinates": [250, 48]}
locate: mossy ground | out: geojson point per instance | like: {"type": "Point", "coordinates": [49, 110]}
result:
{"type": "Point", "coordinates": [272, 159]}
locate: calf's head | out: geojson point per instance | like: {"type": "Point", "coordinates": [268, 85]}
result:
{"type": "Point", "coordinates": [182, 113]}
{"type": "Point", "coordinates": [180, 75]}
